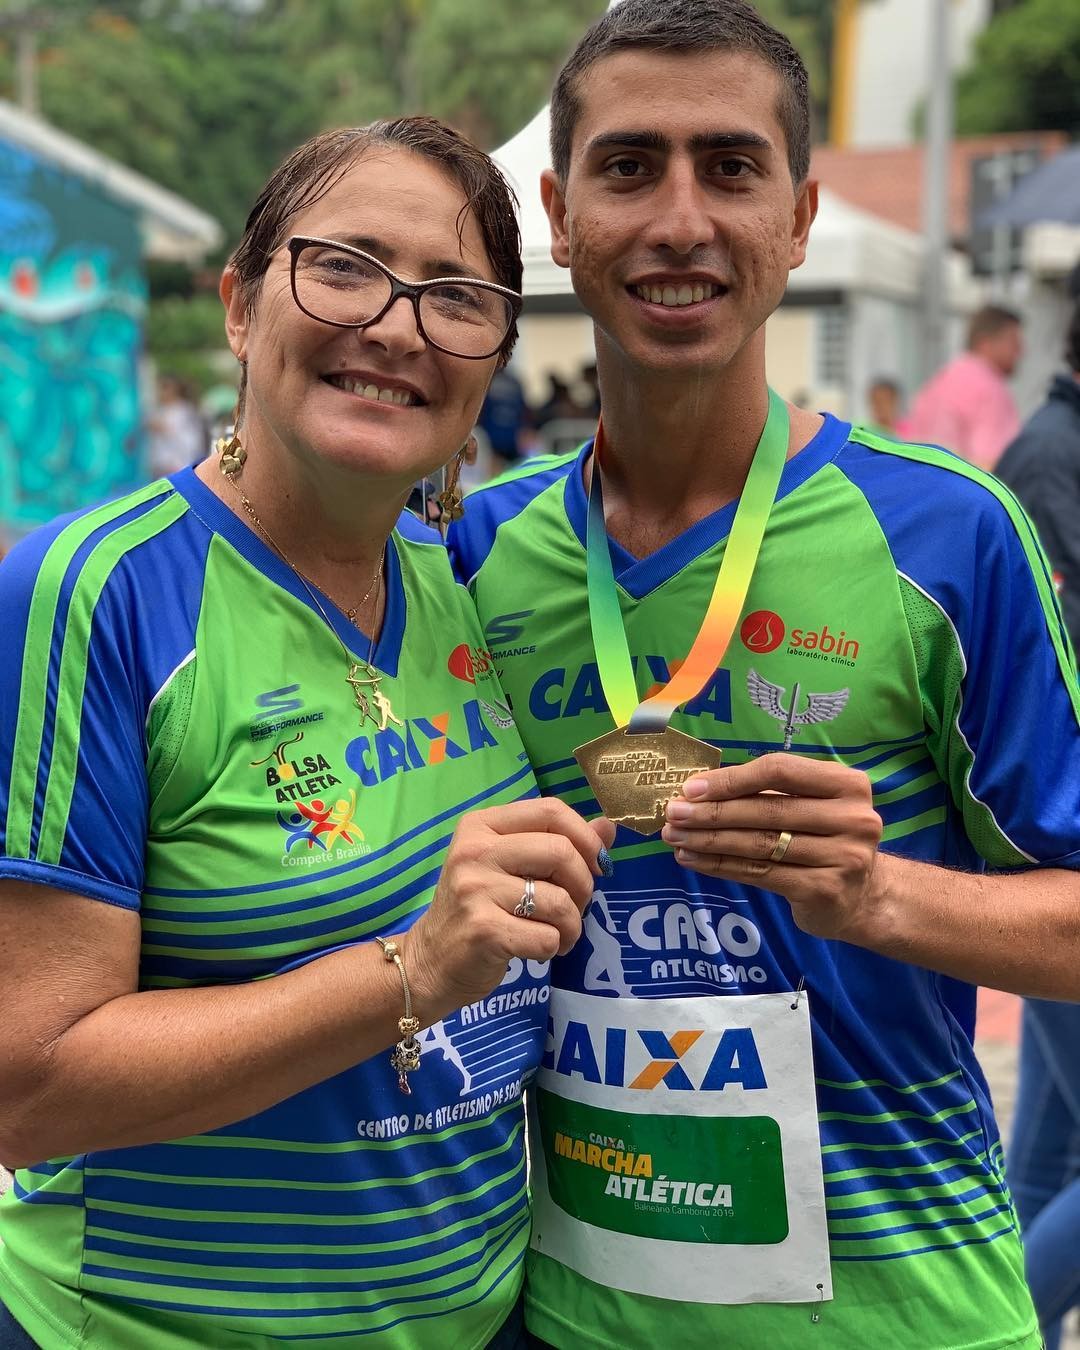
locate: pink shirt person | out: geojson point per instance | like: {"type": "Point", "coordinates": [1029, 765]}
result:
{"type": "Point", "coordinates": [967, 406]}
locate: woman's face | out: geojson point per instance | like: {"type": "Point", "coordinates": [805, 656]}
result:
{"type": "Point", "coordinates": [305, 378]}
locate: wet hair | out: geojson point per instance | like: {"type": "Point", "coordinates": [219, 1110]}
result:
{"type": "Point", "coordinates": [313, 168]}
{"type": "Point", "coordinates": [689, 26]}
{"type": "Point", "coordinates": [988, 322]}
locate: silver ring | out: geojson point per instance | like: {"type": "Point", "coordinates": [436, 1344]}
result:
{"type": "Point", "coordinates": [526, 906]}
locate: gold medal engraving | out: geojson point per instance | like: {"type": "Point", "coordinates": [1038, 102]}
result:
{"type": "Point", "coordinates": [635, 776]}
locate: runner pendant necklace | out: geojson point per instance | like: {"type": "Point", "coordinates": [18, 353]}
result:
{"type": "Point", "coordinates": [637, 768]}
{"type": "Point", "coordinates": [363, 678]}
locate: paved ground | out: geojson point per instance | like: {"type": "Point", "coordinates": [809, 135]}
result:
{"type": "Point", "coordinates": [997, 1039]}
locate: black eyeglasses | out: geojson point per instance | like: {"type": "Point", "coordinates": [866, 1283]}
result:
{"type": "Point", "coordinates": [341, 285]}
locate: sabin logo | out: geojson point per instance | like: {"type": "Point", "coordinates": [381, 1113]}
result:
{"type": "Point", "coordinates": [469, 664]}
{"type": "Point", "coordinates": [762, 631]}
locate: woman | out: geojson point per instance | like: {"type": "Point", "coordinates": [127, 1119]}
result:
{"type": "Point", "coordinates": [248, 712]}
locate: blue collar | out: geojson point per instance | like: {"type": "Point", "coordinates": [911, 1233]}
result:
{"type": "Point", "coordinates": [639, 576]}
{"type": "Point", "coordinates": [217, 517]}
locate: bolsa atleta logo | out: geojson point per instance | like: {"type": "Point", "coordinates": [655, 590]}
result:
{"type": "Point", "coordinates": [295, 779]}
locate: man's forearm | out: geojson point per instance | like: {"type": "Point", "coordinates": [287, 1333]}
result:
{"type": "Point", "coordinates": [1020, 933]}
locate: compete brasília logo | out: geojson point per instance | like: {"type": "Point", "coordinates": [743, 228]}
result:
{"type": "Point", "coordinates": [317, 824]}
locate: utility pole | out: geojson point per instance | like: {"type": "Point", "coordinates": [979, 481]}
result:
{"type": "Point", "coordinates": [842, 99]}
{"type": "Point", "coordinates": [26, 69]}
{"type": "Point", "coordinates": [25, 25]}
{"type": "Point", "coordinates": [939, 133]}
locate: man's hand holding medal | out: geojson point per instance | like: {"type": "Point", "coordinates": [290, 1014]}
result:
{"type": "Point", "coordinates": [802, 828]}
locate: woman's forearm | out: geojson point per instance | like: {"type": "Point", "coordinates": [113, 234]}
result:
{"type": "Point", "coordinates": [165, 1064]}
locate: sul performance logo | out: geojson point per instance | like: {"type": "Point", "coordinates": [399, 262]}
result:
{"type": "Point", "coordinates": [764, 631]}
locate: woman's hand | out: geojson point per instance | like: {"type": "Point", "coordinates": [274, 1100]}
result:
{"type": "Point", "coordinates": [459, 950]}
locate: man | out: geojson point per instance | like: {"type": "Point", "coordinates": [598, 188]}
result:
{"type": "Point", "coordinates": [1042, 466]}
{"type": "Point", "coordinates": [899, 636]}
{"type": "Point", "coordinates": [968, 406]}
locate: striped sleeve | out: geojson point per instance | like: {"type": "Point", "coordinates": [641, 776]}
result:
{"type": "Point", "coordinates": [491, 505]}
{"type": "Point", "coordinates": [998, 673]}
{"type": "Point", "coordinates": [74, 692]}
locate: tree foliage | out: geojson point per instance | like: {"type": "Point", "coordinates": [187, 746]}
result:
{"type": "Point", "coordinates": [206, 96]}
{"type": "Point", "coordinates": [1026, 71]}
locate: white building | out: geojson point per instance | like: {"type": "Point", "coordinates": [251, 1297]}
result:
{"type": "Point", "coordinates": [889, 67]}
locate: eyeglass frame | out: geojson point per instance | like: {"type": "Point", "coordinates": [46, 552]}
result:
{"type": "Point", "coordinates": [413, 290]}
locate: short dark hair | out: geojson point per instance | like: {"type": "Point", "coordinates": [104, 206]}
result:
{"type": "Point", "coordinates": [988, 322]}
{"type": "Point", "coordinates": [686, 26]}
{"type": "Point", "coordinates": [313, 168]}
{"type": "Point", "coordinates": [1072, 340]}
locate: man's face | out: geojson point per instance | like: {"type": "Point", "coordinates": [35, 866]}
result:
{"type": "Point", "coordinates": [884, 405]}
{"type": "Point", "coordinates": [1006, 348]}
{"type": "Point", "coordinates": [678, 218]}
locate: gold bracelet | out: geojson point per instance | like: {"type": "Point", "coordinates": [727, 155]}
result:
{"type": "Point", "coordinates": [406, 1056]}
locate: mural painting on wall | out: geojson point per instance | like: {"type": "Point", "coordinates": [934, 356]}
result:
{"type": "Point", "coordinates": [72, 307]}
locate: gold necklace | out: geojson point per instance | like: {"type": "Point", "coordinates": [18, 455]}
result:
{"type": "Point", "coordinates": [363, 678]}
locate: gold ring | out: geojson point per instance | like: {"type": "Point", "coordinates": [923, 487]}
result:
{"type": "Point", "coordinates": [783, 843]}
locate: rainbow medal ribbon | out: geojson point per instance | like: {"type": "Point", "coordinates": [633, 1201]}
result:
{"type": "Point", "coordinates": [637, 768]}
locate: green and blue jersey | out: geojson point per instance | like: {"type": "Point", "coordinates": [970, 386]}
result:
{"type": "Point", "coordinates": [902, 621]}
{"type": "Point", "coordinates": [177, 737]}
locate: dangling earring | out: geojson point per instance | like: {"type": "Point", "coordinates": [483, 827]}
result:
{"type": "Point", "coordinates": [232, 454]}
{"type": "Point", "coordinates": [451, 502]}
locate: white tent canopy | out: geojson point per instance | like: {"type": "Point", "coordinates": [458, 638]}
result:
{"type": "Point", "coordinates": [849, 248]}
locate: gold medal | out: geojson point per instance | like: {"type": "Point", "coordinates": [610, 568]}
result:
{"type": "Point", "coordinates": [634, 776]}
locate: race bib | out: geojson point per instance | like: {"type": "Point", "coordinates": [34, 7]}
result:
{"type": "Point", "coordinates": [675, 1148]}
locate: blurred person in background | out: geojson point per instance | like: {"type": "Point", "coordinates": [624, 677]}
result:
{"type": "Point", "coordinates": [559, 404]}
{"type": "Point", "coordinates": [590, 379]}
{"type": "Point", "coordinates": [884, 402]}
{"type": "Point", "coordinates": [968, 407]}
{"type": "Point", "coordinates": [178, 434]}
{"type": "Point", "coordinates": [1042, 466]}
{"type": "Point", "coordinates": [505, 420]}
{"type": "Point", "coordinates": [241, 719]}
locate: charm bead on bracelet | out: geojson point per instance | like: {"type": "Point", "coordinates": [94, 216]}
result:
{"type": "Point", "coordinates": [406, 1054]}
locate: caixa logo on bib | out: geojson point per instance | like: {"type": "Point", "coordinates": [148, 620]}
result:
{"type": "Point", "coordinates": [691, 1060]}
